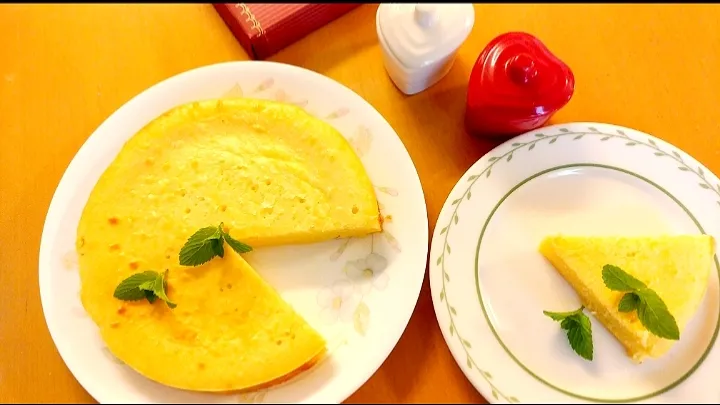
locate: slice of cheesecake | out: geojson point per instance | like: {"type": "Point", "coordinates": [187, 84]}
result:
{"type": "Point", "coordinates": [677, 268]}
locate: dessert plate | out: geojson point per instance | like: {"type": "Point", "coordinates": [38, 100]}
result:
{"type": "Point", "coordinates": [359, 293]}
{"type": "Point", "coordinates": [490, 284]}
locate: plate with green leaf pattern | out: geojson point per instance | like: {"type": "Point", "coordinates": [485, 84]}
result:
{"type": "Point", "coordinates": [490, 285]}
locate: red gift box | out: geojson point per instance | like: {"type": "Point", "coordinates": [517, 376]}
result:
{"type": "Point", "coordinates": [264, 29]}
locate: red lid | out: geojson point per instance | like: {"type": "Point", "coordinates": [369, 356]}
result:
{"type": "Point", "coordinates": [517, 79]}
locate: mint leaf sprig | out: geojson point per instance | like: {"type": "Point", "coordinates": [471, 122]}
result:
{"type": "Point", "coordinates": [207, 243]}
{"type": "Point", "coordinates": [148, 284]}
{"type": "Point", "coordinates": [579, 330]}
{"type": "Point", "coordinates": [654, 315]}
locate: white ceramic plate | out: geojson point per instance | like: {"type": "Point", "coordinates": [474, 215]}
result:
{"type": "Point", "coordinates": [489, 283]}
{"type": "Point", "coordinates": [374, 310]}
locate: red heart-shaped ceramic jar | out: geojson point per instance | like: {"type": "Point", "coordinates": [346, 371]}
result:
{"type": "Point", "coordinates": [516, 85]}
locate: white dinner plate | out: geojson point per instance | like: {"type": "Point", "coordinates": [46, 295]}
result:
{"type": "Point", "coordinates": [374, 307]}
{"type": "Point", "coordinates": [490, 284]}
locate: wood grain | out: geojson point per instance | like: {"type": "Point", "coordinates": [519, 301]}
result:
{"type": "Point", "coordinates": [64, 69]}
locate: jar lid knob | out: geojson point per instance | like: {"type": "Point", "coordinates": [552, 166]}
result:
{"type": "Point", "coordinates": [426, 15]}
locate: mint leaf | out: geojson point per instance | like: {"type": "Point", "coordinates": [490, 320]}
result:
{"type": "Point", "coordinates": [148, 288]}
{"type": "Point", "coordinates": [218, 248]}
{"type": "Point", "coordinates": [236, 245]}
{"type": "Point", "coordinates": [129, 289]}
{"type": "Point", "coordinates": [579, 330]}
{"type": "Point", "coordinates": [149, 285]}
{"type": "Point", "coordinates": [580, 336]}
{"type": "Point", "coordinates": [159, 286]}
{"type": "Point", "coordinates": [655, 316]}
{"type": "Point", "coordinates": [151, 297]}
{"type": "Point", "coordinates": [618, 280]}
{"type": "Point", "coordinates": [628, 303]}
{"type": "Point", "coordinates": [559, 316]}
{"type": "Point", "coordinates": [200, 247]}
{"type": "Point", "coordinates": [207, 243]}
{"type": "Point", "coordinates": [651, 309]}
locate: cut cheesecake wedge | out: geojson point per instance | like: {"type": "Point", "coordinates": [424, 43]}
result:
{"type": "Point", "coordinates": [231, 330]}
{"type": "Point", "coordinates": [677, 268]}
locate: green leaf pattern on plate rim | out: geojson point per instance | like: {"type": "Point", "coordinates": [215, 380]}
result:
{"type": "Point", "coordinates": [539, 138]}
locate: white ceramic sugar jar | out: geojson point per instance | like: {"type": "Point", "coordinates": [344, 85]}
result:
{"type": "Point", "coordinates": [419, 41]}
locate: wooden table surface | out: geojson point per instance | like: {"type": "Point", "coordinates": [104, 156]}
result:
{"type": "Point", "coordinates": [64, 69]}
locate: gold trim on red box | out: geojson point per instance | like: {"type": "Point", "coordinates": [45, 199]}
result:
{"type": "Point", "coordinates": [250, 17]}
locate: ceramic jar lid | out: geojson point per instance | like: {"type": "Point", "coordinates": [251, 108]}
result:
{"type": "Point", "coordinates": [420, 34]}
{"type": "Point", "coordinates": [516, 85]}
